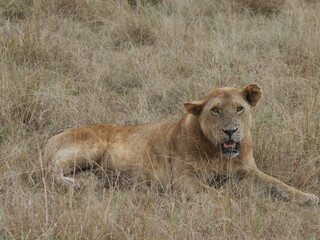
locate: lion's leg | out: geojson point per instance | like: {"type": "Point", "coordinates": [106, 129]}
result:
{"type": "Point", "coordinates": [220, 197]}
{"type": "Point", "coordinates": [284, 190]}
{"type": "Point", "coordinates": [66, 162]}
{"type": "Point", "coordinates": [191, 186]}
{"type": "Point", "coordinates": [61, 173]}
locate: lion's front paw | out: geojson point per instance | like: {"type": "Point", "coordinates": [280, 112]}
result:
{"type": "Point", "coordinates": [309, 199]}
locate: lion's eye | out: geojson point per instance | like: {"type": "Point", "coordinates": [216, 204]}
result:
{"type": "Point", "coordinates": [240, 109]}
{"type": "Point", "coordinates": [215, 110]}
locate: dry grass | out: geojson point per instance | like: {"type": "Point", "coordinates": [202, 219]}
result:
{"type": "Point", "coordinates": [74, 62]}
{"type": "Point", "coordinates": [262, 6]}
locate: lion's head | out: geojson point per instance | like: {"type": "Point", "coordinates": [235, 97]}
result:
{"type": "Point", "coordinates": [225, 116]}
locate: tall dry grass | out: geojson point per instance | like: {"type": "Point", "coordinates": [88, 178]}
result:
{"type": "Point", "coordinates": [73, 62]}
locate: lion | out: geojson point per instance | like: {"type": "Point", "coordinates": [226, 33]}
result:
{"type": "Point", "coordinates": [213, 138]}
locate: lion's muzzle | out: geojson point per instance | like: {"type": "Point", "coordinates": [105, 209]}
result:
{"type": "Point", "coordinates": [230, 148]}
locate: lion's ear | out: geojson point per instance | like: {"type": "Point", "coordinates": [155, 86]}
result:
{"type": "Point", "coordinates": [252, 93]}
{"type": "Point", "coordinates": [194, 108]}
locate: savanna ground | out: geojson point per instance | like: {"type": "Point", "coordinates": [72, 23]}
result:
{"type": "Point", "coordinates": [74, 62]}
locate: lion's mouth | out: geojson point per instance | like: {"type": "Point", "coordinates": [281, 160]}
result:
{"type": "Point", "coordinates": [230, 149]}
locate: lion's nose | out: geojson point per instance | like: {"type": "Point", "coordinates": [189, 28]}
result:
{"type": "Point", "coordinates": [229, 131]}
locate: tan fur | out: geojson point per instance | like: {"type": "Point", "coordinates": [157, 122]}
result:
{"type": "Point", "coordinates": [183, 154]}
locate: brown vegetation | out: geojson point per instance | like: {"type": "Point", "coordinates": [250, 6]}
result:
{"type": "Point", "coordinates": [262, 6]}
{"type": "Point", "coordinates": [74, 62]}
